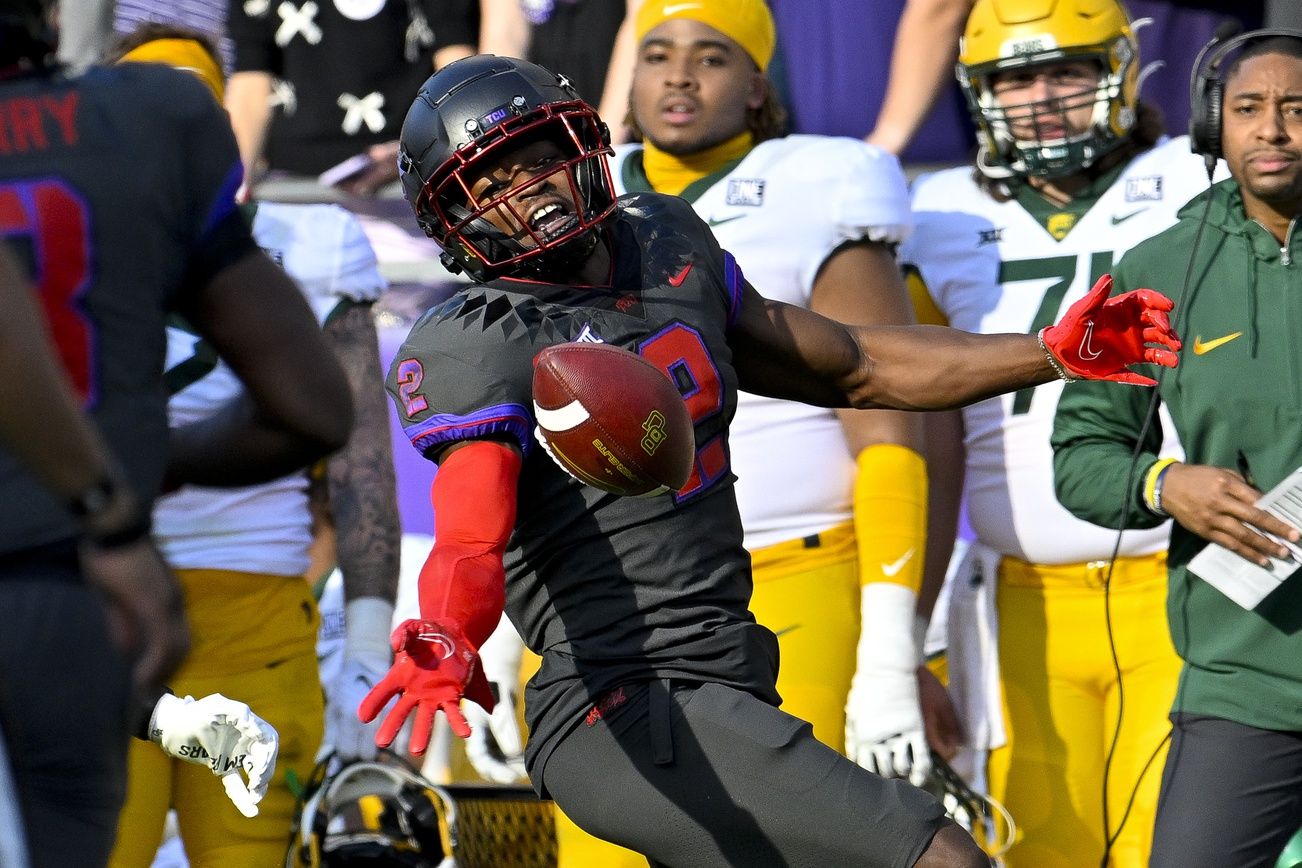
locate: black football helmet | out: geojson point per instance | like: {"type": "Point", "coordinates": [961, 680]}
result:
{"type": "Point", "coordinates": [370, 814]}
{"type": "Point", "coordinates": [472, 112]}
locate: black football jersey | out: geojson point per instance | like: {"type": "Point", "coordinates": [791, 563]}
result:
{"type": "Point", "coordinates": [607, 589]}
{"type": "Point", "coordinates": [117, 190]}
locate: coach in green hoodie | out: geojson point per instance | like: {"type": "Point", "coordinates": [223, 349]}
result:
{"type": "Point", "coordinates": [1232, 786]}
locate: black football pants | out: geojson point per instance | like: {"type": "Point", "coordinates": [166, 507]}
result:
{"type": "Point", "coordinates": [1231, 795]}
{"type": "Point", "coordinates": [706, 775]}
{"type": "Point", "coordinates": [64, 714]}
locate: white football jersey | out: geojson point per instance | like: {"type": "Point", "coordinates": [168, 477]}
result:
{"type": "Point", "coordinates": [781, 212]}
{"type": "Point", "coordinates": [261, 528]}
{"type": "Point", "coordinates": [992, 267]}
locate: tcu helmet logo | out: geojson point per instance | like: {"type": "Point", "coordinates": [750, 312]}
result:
{"type": "Point", "coordinates": [654, 426]}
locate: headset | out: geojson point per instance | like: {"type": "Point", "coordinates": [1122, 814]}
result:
{"type": "Point", "coordinates": [1207, 87]}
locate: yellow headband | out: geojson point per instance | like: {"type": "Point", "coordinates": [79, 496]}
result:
{"type": "Point", "coordinates": [186, 55]}
{"type": "Point", "coordinates": [746, 22]}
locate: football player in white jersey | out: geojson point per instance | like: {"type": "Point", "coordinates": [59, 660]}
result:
{"type": "Point", "coordinates": [1071, 172]}
{"type": "Point", "coordinates": [833, 502]}
{"type": "Point", "coordinates": [241, 553]}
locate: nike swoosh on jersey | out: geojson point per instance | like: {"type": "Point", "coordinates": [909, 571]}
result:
{"type": "Point", "coordinates": [677, 279]}
{"type": "Point", "coordinates": [785, 630]}
{"type": "Point", "coordinates": [713, 222]}
{"type": "Point", "coordinates": [1122, 218]}
{"type": "Point", "coordinates": [1201, 346]}
{"type": "Point", "coordinates": [890, 570]}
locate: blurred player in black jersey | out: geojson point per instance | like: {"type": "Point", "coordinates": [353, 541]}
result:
{"type": "Point", "coordinates": [653, 719]}
{"type": "Point", "coordinates": [117, 195]}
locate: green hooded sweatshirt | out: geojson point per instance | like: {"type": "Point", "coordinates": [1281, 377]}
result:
{"type": "Point", "coordinates": [1237, 392]}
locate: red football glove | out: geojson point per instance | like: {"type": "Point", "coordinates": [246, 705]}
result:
{"type": "Point", "coordinates": [434, 665]}
{"type": "Point", "coordinates": [1098, 337]}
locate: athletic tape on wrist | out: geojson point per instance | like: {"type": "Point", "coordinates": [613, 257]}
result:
{"type": "Point", "coordinates": [367, 624]}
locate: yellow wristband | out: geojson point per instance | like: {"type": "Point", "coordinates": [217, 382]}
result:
{"type": "Point", "coordinates": [890, 515]}
{"type": "Point", "coordinates": [1152, 493]}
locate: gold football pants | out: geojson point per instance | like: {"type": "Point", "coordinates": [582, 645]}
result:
{"type": "Point", "coordinates": [1061, 703]}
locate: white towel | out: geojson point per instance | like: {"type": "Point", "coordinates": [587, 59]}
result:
{"type": "Point", "coordinates": [973, 632]}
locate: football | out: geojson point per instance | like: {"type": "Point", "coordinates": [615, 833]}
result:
{"type": "Point", "coordinates": [612, 419]}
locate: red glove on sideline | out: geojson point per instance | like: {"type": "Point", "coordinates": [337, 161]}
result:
{"type": "Point", "coordinates": [434, 665]}
{"type": "Point", "coordinates": [1098, 337]}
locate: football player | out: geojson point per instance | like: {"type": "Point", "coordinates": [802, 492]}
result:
{"type": "Point", "coordinates": [116, 189]}
{"type": "Point", "coordinates": [833, 503]}
{"type": "Point", "coordinates": [653, 718]}
{"type": "Point", "coordinates": [1072, 170]}
{"type": "Point", "coordinates": [241, 554]}
{"type": "Point", "coordinates": [54, 438]}
{"type": "Point", "coordinates": [830, 501]}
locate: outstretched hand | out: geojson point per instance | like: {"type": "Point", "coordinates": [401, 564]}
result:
{"type": "Point", "coordinates": [434, 666]}
{"type": "Point", "coordinates": [1099, 337]}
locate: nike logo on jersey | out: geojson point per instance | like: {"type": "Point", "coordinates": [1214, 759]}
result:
{"type": "Point", "coordinates": [1087, 350]}
{"type": "Point", "coordinates": [714, 222]}
{"type": "Point", "coordinates": [1122, 218]}
{"type": "Point", "coordinates": [677, 279]}
{"type": "Point", "coordinates": [891, 569]}
{"type": "Point", "coordinates": [785, 630]}
{"type": "Point", "coordinates": [1201, 346]}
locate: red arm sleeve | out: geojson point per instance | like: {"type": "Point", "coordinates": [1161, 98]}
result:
{"type": "Point", "coordinates": [474, 499]}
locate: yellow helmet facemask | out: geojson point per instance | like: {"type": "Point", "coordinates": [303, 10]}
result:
{"type": "Point", "coordinates": [1003, 35]}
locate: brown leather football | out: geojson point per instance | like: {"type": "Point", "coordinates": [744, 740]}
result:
{"type": "Point", "coordinates": [612, 419]}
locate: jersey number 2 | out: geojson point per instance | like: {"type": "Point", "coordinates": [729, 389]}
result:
{"type": "Point", "coordinates": [49, 218]}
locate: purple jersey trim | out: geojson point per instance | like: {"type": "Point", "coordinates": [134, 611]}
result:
{"type": "Point", "coordinates": [225, 201]}
{"type": "Point", "coordinates": [734, 280]}
{"type": "Point", "coordinates": [441, 428]}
